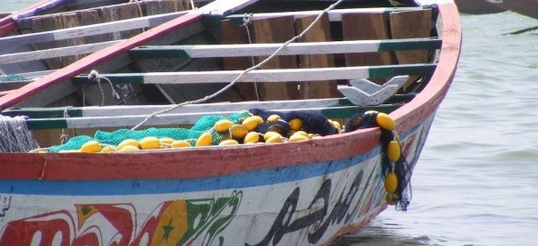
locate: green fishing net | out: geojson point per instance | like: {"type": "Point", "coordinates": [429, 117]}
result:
{"type": "Point", "coordinates": [12, 77]}
{"type": "Point", "coordinates": [204, 124]}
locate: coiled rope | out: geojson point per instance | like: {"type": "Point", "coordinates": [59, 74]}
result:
{"type": "Point", "coordinates": [15, 136]}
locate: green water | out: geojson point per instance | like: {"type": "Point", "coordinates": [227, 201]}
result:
{"type": "Point", "coordinates": [476, 181]}
{"type": "Point", "coordinates": [14, 5]}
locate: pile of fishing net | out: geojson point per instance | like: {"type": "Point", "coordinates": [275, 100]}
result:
{"type": "Point", "coordinates": [311, 122]}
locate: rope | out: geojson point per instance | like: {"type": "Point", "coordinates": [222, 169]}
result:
{"type": "Point", "coordinates": [139, 10]}
{"type": "Point", "coordinates": [94, 76]}
{"type": "Point", "coordinates": [247, 20]}
{"type": "Point", "coordinates": [192, 5]}
{"type": "Point", "coordinates": [233, 82]}
{"type": "Point", "coordinates": [15, 136]}
{"type": "Point", "coordinates": [64, 136]}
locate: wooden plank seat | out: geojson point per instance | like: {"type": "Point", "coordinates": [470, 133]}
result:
{"type": "Point", "coordinates": [98, 111]}
{"type": "Point", "coordinates": [89, 30]}
{"type": "Point", "coordinates": [335, 15]}
{"type": "Point", "coordinates": [265, 75]}
{"type": "Point", "coordinates": [54, 52]}
{"type": "Point", "coordinates": [238, 50]}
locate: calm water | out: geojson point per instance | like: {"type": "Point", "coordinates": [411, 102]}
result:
{"type": "Point", "coordinates": [476, 182]}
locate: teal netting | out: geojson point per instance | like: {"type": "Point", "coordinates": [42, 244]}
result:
{"type": "Point", "coordinates": [204, 124]}
{"type": "Point", "coordinates": [12, 77]}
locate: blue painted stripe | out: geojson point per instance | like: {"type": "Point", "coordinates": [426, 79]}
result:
{"type": "Point", "coordinates": [140, 187]}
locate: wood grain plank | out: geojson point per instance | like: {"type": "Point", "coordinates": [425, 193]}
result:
{"type": "Point", "coordinates": [237, 34]}
{"type": "Point", "coordinates": [411, 24]}
{"type": "Point", "coordinates": [318, 33]}
{"type": "Point", "coordinates": [276, 30]}
{"type": "Point", "coordinates": [364, 26]}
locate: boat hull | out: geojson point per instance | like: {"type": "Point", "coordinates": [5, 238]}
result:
{"type": "Point", "coordinates": [305, 204]}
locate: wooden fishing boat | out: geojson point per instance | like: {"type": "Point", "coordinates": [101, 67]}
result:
{"type": "Point", "coordinates": [478, 7]}
{"type": "Point", "coordinates": [305, 68]}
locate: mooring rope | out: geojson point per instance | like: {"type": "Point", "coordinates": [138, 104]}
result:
{"type": "Point", "coordinates": [15, 136]}
{"type": "Point", "coordinates": [233, 82]}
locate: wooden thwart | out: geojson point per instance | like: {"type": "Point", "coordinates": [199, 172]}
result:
{"type": "Point", "coordinates": [54, 52]}
{"type": "Point", "coordinates": [89, 30]}
{"type": "Point", "coordinates": [208, 108]}
{"type": "Point", "coordinates": [266, 49]}
{"type": "Point", "coordinates": [267, 75]}
{"type": "Point", "coordinates": [184, 118]}
{"type": "Point", "coordinates": [334, 15]}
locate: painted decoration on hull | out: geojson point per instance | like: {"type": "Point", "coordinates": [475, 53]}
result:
{"type": "Point", "coordinates": [350, 204]}
{"type": "Point", "coordinates": [310, 212]}
{"type": "Point", "coordinates": [338, 201]}
{"type": "Point", "coordinates": [178, 222]}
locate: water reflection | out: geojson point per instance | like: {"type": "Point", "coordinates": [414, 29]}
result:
{"type": "Point", "coordinates": [383, 232]}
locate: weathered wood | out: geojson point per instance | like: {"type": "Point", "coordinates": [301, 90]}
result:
{"type": "Point", "coordinates": [109, 26]}
{"type": "Point", "coordinates": [241, 51]}
{"type": "Point", "coordinates": [276, 30]}
{"type": "Point", "coordinates": [70, 20]}
{"type": "Point", "coordinates": [91, 17]}
{"type": "Point", "coordinates": [361, 27]}
{"type": "Point", "coordinates": [50, 95]}
{"type": "Point", "coordinates": [49, 137]}
{"type": "Point", "coordinates": [54, 52]}
{"type": "Point", "coordinates": [166, 6]}
{"type": "Point", "coordinates": [412, 24]}
{"type": "Point", "coordinates": [289, 76]}
{"type": "Point", "coordinates": [44, 23]}
{"type": "Point", "coordinates": [334, 15]}
{"type": "Point", "coordinates": [208, 108]}
{"type": "Point", "coordinates": [237, 34]}
{"type": "Point", "coordinates": [318, 33]}
{"type": "Point", "coordinates": [122, 13]}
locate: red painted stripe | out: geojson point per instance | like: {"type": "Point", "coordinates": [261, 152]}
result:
{"type": "Point", "coordinates": [96, 58]}
{"type": "Point", "coordinates": [8, 27]}
{"type": "Point", "coordinates": [192, 163]}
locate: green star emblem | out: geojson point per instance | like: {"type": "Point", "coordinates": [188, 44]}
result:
{"type": "Point", "coordinates": [167, 229]}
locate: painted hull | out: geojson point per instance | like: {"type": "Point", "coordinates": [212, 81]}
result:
{"type": "Point", "coordinates": [326, 198]}
{"type": "Point", "coordinates": [297, 193]}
